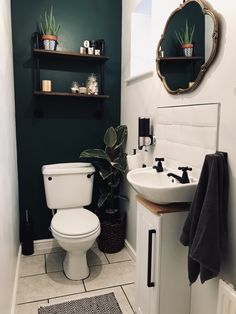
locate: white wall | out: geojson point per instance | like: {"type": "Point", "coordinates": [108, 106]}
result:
{"type": "Point", "coordinates": [142, 96]}
{"type": "Point", "coordinates": [9, 240]}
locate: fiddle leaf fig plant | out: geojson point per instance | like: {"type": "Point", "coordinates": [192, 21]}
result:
{"type": "Point", "coordinates": [185, 36]}
{"type": "Point", "coordinates": [112, 164]}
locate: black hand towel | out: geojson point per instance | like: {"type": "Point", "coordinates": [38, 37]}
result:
{"type": "Point", "coordinates": [205, 229]}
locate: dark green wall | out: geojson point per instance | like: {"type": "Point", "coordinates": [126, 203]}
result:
{"type": "Point", "coordinates": [66, 126]}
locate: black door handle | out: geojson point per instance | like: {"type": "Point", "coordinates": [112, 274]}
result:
{"type": "Point", "coordinates": [150, 283]}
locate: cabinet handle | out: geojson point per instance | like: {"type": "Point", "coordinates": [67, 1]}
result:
{"type": "Point", "coordinates": [149, 268]}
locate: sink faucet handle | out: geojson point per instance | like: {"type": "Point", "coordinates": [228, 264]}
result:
{"type": "Point", "coordinates": [159, 159]}
{"type": "Point", "coordinates": [185, 178]}
{"type": "Point", "coordinates": [159, 167]}
{"type": "Point", "coordinates": [185, 168]}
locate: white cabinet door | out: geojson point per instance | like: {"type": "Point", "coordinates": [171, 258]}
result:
{"type": "Point", "coordinates": [147, 265]}
{"type": "Point", "coordinates": [161, 263]}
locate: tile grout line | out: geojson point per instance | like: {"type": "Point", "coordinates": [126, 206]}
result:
{"type": "Point", "coordinates": [35, 301]}
{"type": "Point", "coordinates": [107, 258]}
{"type": "Point", "coordinates": [127, 298]}
{"type": "Point", "coordinates": [84, 285]}
{"type": "Point", "coordinates": [126, 260]}
{"type": "Point", "coordinates": [58, 271]}
{"type": "Point", "coordinates": [71, 294]}
{"type": "Point", "coordinates": [45, 263]}
{"type": "Point", "coordinates": [88, 291]}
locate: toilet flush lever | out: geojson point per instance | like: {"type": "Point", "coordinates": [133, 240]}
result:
{"type": "Point", "coordinates": [90, 175]}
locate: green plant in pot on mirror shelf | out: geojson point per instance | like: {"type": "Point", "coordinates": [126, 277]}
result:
{"type": "Point", "coordinates": [185, 38]}
{"type": "Point", "coordinates": [49, 30]}
{"type": "Point", "coordinates": [111, 164]}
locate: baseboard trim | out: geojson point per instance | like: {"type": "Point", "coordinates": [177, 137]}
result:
{"type": "Point", "coordinates": [16, 281]}
{"type": "Point", "coordinates": [130, 250]}
{"type": "Point", "coordinates": [40, 246]}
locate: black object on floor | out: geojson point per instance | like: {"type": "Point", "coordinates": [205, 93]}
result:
{"type": "Point", "coordinates": [27, 236]}
{"type": "Point", "coordinates": [205, 229]}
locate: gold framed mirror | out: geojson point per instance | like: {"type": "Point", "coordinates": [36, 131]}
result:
{"type": "Point", "coordinates": [187, 46]}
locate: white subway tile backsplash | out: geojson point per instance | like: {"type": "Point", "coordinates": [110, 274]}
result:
{"type": "Point", "coordinates": [173, 134]}
{"type": "Point", "coordinates": [164, 116]}
{"type": "Point", "coordinates": [182, 115]}
{"type": "Point", "coordinates": [159, 130]}
{"type": "Point", "coordinates": [185, 134]}
{"type": "Point", "coordinates": [205, 115]}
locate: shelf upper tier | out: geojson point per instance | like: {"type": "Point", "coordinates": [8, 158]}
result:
{"type": "Point", "coordinates": [65, 94]}
{"type": "Point", "coordinates": [70, 54]}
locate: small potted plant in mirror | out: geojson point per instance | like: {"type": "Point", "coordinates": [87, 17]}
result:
{"type": "Point", "coordinates": [49, 30]}
{"type": "Point", "coordinates": [185, 38]}
{"type": "Point", "coordinates": [111, 164]}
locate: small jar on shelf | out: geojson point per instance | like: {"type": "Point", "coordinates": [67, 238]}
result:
{"type": "Point", "coordinates": [74, 87]}
{"type": "Point", "coordinates": [92, 85]}
{"type": "Point", "coordinates": [82, 89]}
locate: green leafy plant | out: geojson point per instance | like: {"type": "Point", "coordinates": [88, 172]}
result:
{"type": "Point", "coordinates": [48, 24]}
{"type": "Point", "coordinates": [185, 36]}
{"type": "Point", "coordinates": [112, 164]}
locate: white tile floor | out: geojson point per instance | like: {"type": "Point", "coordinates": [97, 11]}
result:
{"type": "Point", "coordinates": [42, 280]}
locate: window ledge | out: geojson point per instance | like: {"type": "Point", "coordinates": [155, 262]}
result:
{"type": "Point", "coordinates": [138, 77]}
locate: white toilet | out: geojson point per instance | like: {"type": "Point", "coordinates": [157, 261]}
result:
{"type": "Point", "coordinates": [68, 187]}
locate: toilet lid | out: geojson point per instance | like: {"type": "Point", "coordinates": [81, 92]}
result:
{"type": "Point", "coordinates": [75, 222]}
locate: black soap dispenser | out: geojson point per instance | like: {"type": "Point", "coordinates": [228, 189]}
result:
{"type": "Point", "coordinates": [27, 236]}
{"type": "Point", "coordinates": [144, 135]}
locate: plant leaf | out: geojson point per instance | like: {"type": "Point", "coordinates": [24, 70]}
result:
{"type": "Point", "coordinates": [122, 132]}
{"type": "Point", "coordinates": [122, 197]}
{"type": "Point", "coordinates": [120, 163]}
{"type": "Point", "coordinates": [102, 199]}
{"type": "Point", "coordinates": [186, 36]}
{"type": "Point", "coordinates": [95, 153]}
{"type": "Point", "coordinates": [180, 38]}
{"type": "Point", "coordinates": [110, 137]}
{"type": "Point", "coordinates": [191, 35]}
{"type": "Point", "coordinates": [104, 173]}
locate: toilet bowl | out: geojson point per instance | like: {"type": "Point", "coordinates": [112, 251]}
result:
{"type": "Point", "coordinates": [68, 187]}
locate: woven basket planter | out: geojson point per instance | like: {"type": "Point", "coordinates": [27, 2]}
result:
{"type": "Point", "coordinates": [112, 236]}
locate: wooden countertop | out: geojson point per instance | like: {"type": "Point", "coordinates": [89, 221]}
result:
{"type": "Point", "coordinates": [163, 209]}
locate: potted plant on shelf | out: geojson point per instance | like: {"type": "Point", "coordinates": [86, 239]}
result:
{"type": "Point", "coordinates": [185, 38]}
{"type": "Point", "coordinates": [49, 30]}
{"type": "Point", "coordinates": [111, 164]}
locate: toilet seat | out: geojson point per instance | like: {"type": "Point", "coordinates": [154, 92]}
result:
{"type": "Point", "coordinates": [75, 223]}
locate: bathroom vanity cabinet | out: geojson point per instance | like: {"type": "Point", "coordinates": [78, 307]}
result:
{"type": "Point", "coordinates": [162, 285]}
{"type": "Point", "coordinates": [64, 60]}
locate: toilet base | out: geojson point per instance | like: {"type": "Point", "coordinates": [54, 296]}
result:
{"type": "Point", "coordinates": [75, 266]}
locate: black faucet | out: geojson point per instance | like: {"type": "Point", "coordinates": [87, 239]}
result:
{"type": "Point", "coordinates": [159, 167]}
{"type": "Point", "coordinates": [184, 179]}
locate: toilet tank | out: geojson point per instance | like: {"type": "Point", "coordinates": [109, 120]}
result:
{"type": "Point", "coordinates": [67, 185]}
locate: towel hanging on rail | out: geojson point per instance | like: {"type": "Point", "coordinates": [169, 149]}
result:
{"type": "Point", "coordinates": [205, 229]}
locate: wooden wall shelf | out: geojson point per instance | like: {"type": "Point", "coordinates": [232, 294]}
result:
{"type": "Point", "coordinates": [64, 94]}
{"type": "Point", "coordinates": [69, 54]}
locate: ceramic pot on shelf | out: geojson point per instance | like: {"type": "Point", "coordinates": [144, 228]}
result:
{"type": "Point", "coordinates": [188, 50]}
{"type": "Point", "coordinates": [49, 42]}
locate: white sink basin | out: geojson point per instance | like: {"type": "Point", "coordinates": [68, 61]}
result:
{"type": "Point", "coordinates": [158, 188]}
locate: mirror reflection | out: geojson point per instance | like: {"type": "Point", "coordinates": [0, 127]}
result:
{"type": "Point", "coordinates": [187, 46]}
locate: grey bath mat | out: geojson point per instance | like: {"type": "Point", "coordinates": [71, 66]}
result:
{"type": "Point", "coordinates": [101, 304]}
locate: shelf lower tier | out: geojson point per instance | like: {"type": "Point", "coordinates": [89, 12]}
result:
{"type": "Point", "coordinates": [40, 93]}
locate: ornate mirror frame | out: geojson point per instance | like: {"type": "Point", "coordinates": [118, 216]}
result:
{"type": "Point", "coordinates": [204, 67]}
